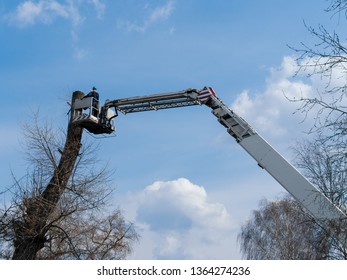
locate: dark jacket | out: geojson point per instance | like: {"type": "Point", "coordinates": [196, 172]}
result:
{"type": "Point", "coordinates": [94, 94]}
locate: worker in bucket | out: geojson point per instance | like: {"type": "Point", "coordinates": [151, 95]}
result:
{"type": "Point", "coordinates": [94, 93]}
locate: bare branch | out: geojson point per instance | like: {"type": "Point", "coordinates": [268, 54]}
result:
{"type": "Point", "coordinates": [56, 208]}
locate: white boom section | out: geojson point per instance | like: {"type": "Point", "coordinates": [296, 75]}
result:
{"type": "Point", "coordinates": [317, 204]}
{"type": "Point", "coordinates": [320, 207]}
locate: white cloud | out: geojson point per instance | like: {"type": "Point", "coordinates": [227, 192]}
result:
{"type": "Point", "coordinates": [270, 112]}
{"type": "Point", "coordinates": [180, 218]}
{"type": "Point", "coordinates": [75, 15]}
{"type": "Point", "coordinates": [158, 14]}
{"type": "Point", "coordinates": [80, 53]}
{"type": "Point", "coordinates": [181, 197]}
{"type": "Point", "coordinates": [31, 12]}
{"type": "Point", "coordinates": [27, 13]}
{"type": "Point", "coordinates": [100, 8]}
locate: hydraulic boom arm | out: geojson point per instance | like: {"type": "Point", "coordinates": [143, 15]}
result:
{"type": "Point", "coordinates": [188, 97]}
{"type": "Point", "coordinates": [317, 204]}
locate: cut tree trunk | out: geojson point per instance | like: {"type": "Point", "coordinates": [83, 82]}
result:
{"type": "Point", "coordinates": [30, 233]}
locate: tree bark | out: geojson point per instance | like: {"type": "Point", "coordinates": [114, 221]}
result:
{"type": "Point", "coordinates": [30, 234]}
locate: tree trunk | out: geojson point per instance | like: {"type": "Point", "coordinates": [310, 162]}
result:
{"type": "Point", "coordinates": [30, 233]}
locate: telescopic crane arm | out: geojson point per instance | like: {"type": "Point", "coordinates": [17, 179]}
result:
{"type": "Point", "coordinates": [184, 98]}
{"type": "Point", "coordinates": [317, 204]}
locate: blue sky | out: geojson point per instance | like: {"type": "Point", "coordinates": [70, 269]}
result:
{"type": "Point", "coordinates": [178, 175]}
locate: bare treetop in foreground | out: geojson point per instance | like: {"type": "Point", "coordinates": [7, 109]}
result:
{"type": "Point", "coordinates": [57, 209]}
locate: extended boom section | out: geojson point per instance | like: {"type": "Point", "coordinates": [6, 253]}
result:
{"type": "Point", "coordinates": [144, 103]}
{"type": "Point", "coordinates": [101, 121]}
{"type": "Point", "coordinates": [317, 204]}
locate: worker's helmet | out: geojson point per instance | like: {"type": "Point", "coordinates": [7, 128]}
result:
{"type": "Point", "coordinates": [94, 88]}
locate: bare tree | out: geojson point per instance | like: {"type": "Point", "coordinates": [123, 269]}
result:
{"type": "Point", "coordinates": [326, 59]}
{"type": "Point", "coordinates": [338, 7]}
{"type": "Point", "coordinates": [281, 230]}
{"type": "Point", "coordinates": [57, 210]}
{"type": "Point", "coordinates": [324, 160]}
{"type": "Point", "coordinates": [91, 237]}
{"type": "Point", "coordinates": [325, 165]}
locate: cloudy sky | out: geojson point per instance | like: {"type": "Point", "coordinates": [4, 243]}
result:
{"type": "Point", "coordinates": [182, 180]}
